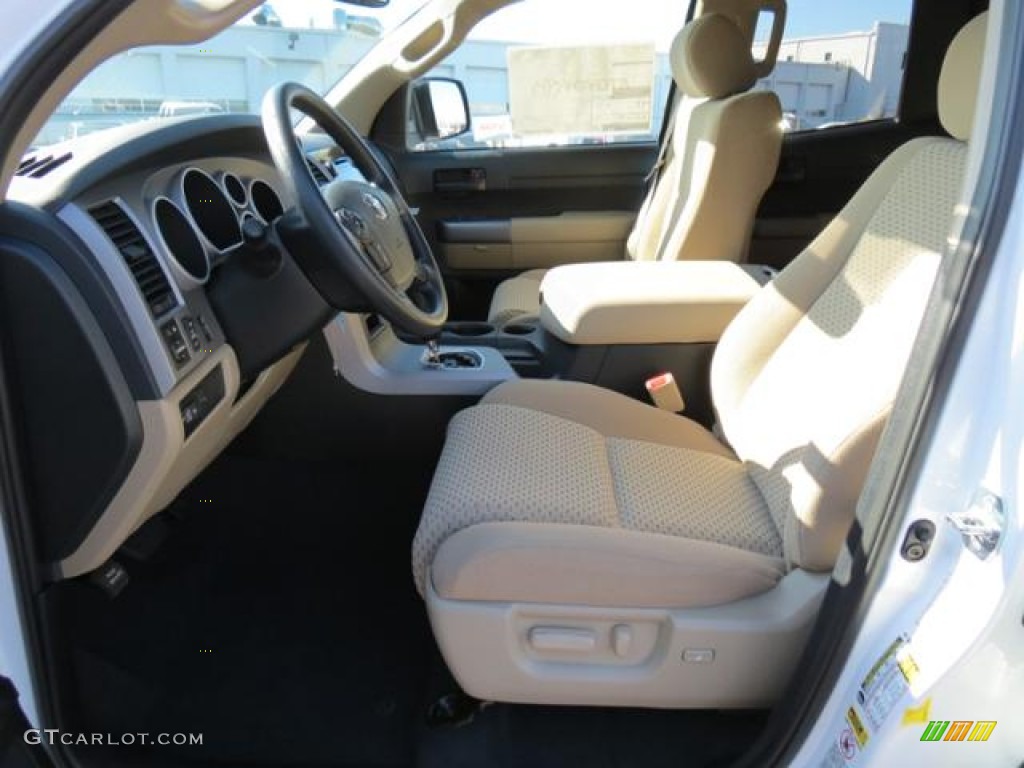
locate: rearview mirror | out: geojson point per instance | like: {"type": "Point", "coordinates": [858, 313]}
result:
{"type": "Point", "coordinates": [439, 108]}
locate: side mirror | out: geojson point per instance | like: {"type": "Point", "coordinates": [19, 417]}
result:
{"type": "Point", "coordinates": [440, 108]}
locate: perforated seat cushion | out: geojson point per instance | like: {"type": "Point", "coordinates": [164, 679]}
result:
{"type": "Point", "coordinates": [508, 463]}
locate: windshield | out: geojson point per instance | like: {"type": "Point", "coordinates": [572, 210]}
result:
{"type": "Point", "coordinates": [314, 42]}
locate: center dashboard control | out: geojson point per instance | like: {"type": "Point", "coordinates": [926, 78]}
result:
{"type": "Point", "coordinates": [201, 401]}
{"type": "Point", "coordinates": [190, 331]}
{"type": "Point", "coordinates": [175, 342]}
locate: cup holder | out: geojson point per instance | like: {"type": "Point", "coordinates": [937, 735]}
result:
{"type": "Point", "coordinates": [470, 329]}
{"type": "Point", "coordinates": [519, 329]}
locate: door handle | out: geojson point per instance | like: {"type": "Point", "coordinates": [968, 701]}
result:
{"type": "Point", "coordinates": [460, 180]}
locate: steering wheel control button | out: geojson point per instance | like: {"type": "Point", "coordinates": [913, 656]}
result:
{"type": "Point", "coordinates": [377, 256]}
{"type": "Point", "coordinates": [175, 343]}
{"type": "Point", "coordinates": [352, 221]}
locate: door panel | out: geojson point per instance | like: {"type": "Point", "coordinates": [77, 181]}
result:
{"type": "Point", "coordinates": [819, 171]}
{"type": "Point", "coordinates": [533, 242]}
{"type": "Point", "coordinates": [517, 183]}
{"type": "Point", "coordinates": [492, 213]}
{"type": "Point", "coordinates": [564, 113]}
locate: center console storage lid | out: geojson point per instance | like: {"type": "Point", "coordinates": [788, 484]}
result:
{"type": "Point", "coordinates": [646, 302]}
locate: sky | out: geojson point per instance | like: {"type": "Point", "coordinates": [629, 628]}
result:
{"type": "Point", "coordinates": [805, 18]}
{"type": "Point", "coordinates": [584, 21]}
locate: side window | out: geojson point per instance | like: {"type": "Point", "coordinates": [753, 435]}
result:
{"type": "Point", "coordinates": [840, 62]}
{"type": "Point", "coordinates": [539, 73]}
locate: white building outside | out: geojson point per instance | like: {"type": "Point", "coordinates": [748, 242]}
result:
{"type": "Point", "coordinates": [840, 78]}
{"type": "Point", "coordinates": [820, 80]}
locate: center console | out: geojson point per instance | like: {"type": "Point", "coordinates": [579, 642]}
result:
{"type": "Point", "coordinates": [372, 357]}
{"type": "Point", "coordinates": [679, 302]}
{"type": "Point", "coordinates": [611, 324]}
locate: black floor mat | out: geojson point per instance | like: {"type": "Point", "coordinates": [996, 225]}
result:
{"type": "Point", "coordinates": [280, 622]}
{"type": "Point", "coordinates": [518, 736]}
{"type": "Point", "coordinates": [510, 736]}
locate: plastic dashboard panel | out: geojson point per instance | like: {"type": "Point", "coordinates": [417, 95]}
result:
{"type": "Point", "coordinates": [70, 393]}
{"type": "Point", "coordinates": [127, 391]}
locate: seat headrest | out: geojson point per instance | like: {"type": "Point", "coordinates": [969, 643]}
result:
{"type": "Point", "coordinates": [711, 59]}
{"type": "Point", "coordinates": [958, 82]}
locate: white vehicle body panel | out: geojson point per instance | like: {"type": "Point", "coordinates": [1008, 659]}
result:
{"type": "Point", "coordinates": [961, 615]}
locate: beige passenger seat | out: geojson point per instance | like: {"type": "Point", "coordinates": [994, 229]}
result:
{"type": "Point", "coordinates": [720, 158]}
{"type": "Point", "coordinates": [580, 547]}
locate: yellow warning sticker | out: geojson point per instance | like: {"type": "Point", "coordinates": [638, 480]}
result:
{"type": "Point", "coordinates": [919, 714]}
{"type": "Point", "coordinates": [907, 665]}
{"type": "Point", "coordinates": [859, 730]}
{"type": "Point", "coordinates": [887, 683]}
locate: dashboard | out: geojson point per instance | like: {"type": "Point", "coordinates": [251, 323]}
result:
{"type": "Point", "coordinates": [158, 232]}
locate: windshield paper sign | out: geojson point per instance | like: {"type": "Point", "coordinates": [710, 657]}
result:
{"type": "Point", "coordinates": [581, 90]}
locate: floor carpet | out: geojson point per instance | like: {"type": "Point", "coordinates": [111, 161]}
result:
{"type": "Point", "coordinates": [280, 621]}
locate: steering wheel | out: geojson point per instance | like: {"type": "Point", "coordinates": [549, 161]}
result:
{"type": "Point", "coordinates": [353, 234]}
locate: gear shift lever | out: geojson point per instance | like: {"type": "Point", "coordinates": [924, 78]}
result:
{"type": "Point", "coordinates": [452, 359]}
{"type": "Point", "coordinates": [433, 353]}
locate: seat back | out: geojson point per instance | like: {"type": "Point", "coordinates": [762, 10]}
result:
{"type": "Point", "coordinates": [722, 153]}
{"type": "Point", "coordinates": [805, 377]}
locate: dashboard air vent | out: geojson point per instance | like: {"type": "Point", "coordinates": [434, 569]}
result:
{"type": "Point", "coordinates": [135, 251]}
{"type": "Point", "coordinates": [319, 174]}
{"type": "Point", "coordinates": [37, 166]}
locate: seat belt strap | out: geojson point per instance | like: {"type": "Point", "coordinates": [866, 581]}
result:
{"type": "Point", "coordinates": [666, 142]}
{"type": "Point", "coordinates": [651, 179]}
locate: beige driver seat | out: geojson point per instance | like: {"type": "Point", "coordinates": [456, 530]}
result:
{"type": "Point", "coordinates": [581, 547]}
{"type": "Point", "coordinates": [721, 157]}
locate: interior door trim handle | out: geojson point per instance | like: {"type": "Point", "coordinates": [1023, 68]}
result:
{"type": "Point", "coordinates": [475, 231]}
{"type": "Point", "coordinates": [460, 180]}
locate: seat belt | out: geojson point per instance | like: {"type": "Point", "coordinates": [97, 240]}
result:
{"type": "Point", "coordinates": [651, 179]}
{"type": "Point", "coordinates": [666, 142]}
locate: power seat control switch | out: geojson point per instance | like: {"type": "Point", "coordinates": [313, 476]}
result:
{"type": "Point", "coordinates": [562, 639]}
{"type": "Point", "coordinates": [622, 639]}
{"type": "Point", "coordinates": [698, 655]}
